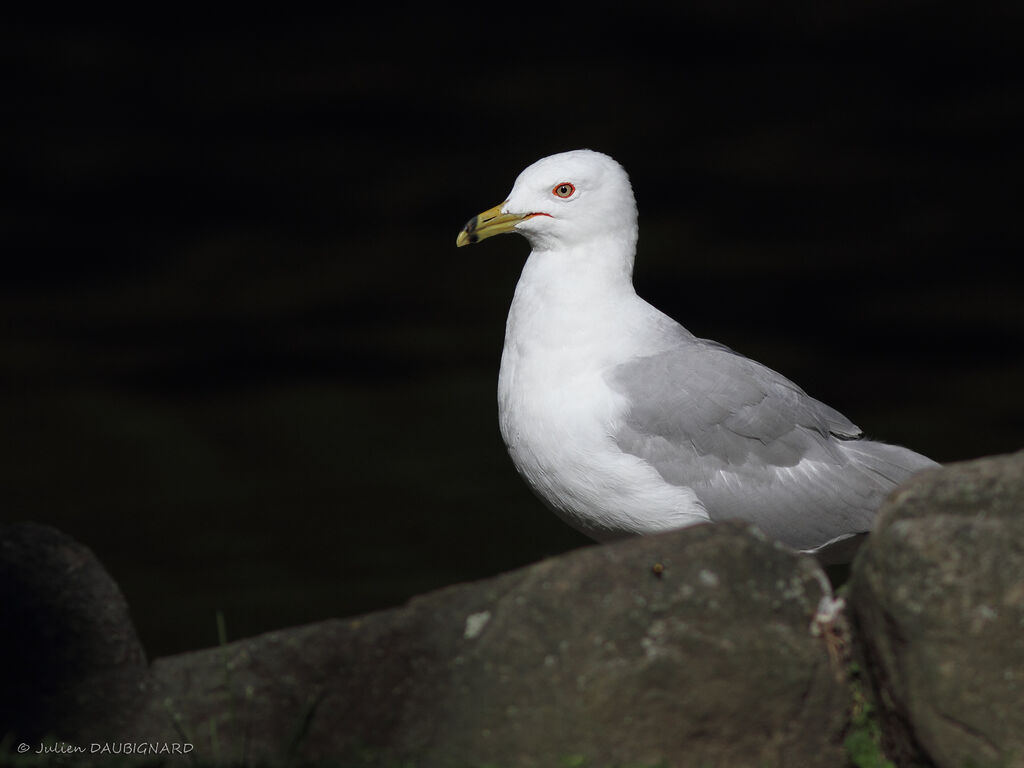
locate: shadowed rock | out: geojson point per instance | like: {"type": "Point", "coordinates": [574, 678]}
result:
{"type": "Point", "coordinates": [692, 647]}
{"type": "Point", "coordinates": [938, 594]}
{"type": "Point", "coordinates": [73, 668]}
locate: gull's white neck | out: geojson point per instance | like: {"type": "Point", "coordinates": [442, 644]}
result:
{"type": "Point", "coordinates": [572, 288]}
{"type": "Point", "coordinates": [571, 306]}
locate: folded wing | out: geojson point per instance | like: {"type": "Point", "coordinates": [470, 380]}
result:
{"type": "Point", "coordinates": [754, 446]}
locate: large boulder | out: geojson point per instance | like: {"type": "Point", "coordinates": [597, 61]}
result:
{"type": "Point", "coordinates": [73, 668]}
{"type": "Point", "coordinates": [938, 598]}
{"type": "Point", "coordinates": [695, 647]}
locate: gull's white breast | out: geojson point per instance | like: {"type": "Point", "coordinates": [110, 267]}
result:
{"type": "Point", "coordinates": [558, 416]}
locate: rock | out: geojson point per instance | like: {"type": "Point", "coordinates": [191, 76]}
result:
{"type": "Point", "coordinates": [938, 598]}
{"type": "Point", "coordinates": [693, 647]}
{"type": "Point", "coordinates": [73, 666]}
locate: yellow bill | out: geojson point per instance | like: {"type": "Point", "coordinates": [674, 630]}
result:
{"type": "Point", "coordinates": [490, 222]}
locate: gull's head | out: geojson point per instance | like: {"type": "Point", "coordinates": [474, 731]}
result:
{"type": "Point", "coordinates": [562, 200]}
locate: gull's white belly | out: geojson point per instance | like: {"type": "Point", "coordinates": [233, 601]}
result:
{"type": "Point", "coordinates": [558, 422]}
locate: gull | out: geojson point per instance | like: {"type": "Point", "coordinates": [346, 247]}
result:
{"type": "Point", "coordinates": [624, 423]}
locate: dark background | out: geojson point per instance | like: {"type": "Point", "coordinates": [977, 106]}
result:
{"type": "Point", "coordinates": [243, 361]}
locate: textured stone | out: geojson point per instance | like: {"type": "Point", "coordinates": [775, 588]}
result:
{"type": "Point", "coordinates": [693, 647]}
{"type": "Point", "coordinates": [938, 597]}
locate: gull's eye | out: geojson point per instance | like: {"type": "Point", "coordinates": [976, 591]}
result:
{"type": "Point", "coordinates": [565, 189]}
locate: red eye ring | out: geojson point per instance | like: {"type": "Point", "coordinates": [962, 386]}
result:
{"type": "Point", "coordinates": [565, 189]}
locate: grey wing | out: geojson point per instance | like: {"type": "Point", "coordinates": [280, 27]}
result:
{"type": "Point", "coordinates": [753, 445]}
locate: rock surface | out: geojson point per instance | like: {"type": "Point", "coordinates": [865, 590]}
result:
{"type": "Point", "coordinates": [695, 647]}
{"type": "Point", "coordinates": [73, 666]}
{"type": "Point", "coordinates": [692, 648]}
{"type": "Point", "coordinates": [938, 597]}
